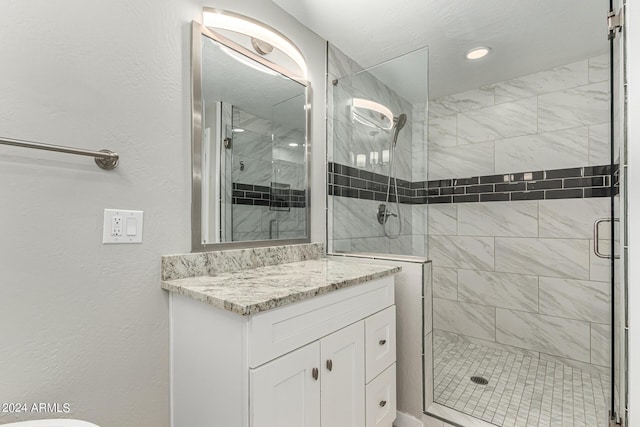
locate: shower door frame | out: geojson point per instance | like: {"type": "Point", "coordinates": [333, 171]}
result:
{"type": "Point", "coordinates": [619, 212]}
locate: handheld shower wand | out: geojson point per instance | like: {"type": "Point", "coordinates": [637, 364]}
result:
{"type": "Point", "coordinates": [383, 212]}
{"type": "Point", "coordinates": [398, 123]}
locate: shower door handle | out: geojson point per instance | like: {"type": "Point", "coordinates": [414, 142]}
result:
{"type": "Point", "coordinates": [596, 237]}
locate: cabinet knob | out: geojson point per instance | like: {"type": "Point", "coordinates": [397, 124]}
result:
{"type": "Point", "coordinates": [329, 365]}
{"type": "Point", "coordinates": [314, 373]}
{"type": "Point", "coordinates": [383, 403]}
{"type": "Point", "coordinates": [382, 342]}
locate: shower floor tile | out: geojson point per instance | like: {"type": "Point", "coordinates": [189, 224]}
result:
{"type": "Point", "coordinates": [522, 391]}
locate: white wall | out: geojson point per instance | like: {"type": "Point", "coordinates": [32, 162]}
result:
{"type": "Point", "coordinates": [633, 73]}
{"type": "Point", "coordinates": [80, 322]}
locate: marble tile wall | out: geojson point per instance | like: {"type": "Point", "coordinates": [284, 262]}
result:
{"type": "Point", "coordinates": [256, 163]}
{"type": "Point", "coordinates": [254, 223]}
{"type": "Point", "coordinates": [352, 222]}
{"type": "Point", "coordinates": [355, 228]}
{"type": "Point", "coordinates": [521, 275]}
{"type": "Point", "coordinates": [473, 320]}
{"type": "Point", "coordinates": [548, 120]}
{"type": "Point", "coordinates": [348, 139]}
{"type": "Point", "coordinates": [253, 148]}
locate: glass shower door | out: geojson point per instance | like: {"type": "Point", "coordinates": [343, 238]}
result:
{"type": "Point", "coordinates": [251, 157]}
{"type": "Point", "coordinates": [288, 179]}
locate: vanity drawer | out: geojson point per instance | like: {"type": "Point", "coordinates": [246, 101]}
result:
{"type": "Point", "coordinates": [276, 332]}
{"type": "Point", "coordinates": [380, 342]}
{"type": "Point", "coordinates": [381, 399]}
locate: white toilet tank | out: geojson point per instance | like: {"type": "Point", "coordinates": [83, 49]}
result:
{"type": "Point", "coordinates": [51, 423]}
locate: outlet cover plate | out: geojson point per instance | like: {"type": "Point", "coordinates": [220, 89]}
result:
{"type": "Point", "coordinates": [130, 226]}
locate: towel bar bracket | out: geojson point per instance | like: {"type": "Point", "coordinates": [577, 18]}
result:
{"type": "Point", "coordinates": [108, 163]}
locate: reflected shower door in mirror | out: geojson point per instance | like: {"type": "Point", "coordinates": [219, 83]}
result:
{"type": "Point", "coordinates": [250, 148]}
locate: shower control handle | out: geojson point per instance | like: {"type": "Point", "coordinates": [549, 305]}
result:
{"type": "Point", "coordinates": [383, 213]}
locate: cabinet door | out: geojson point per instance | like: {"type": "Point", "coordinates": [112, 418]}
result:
{"type": "Point", "coordinates": [343, 388]}
{"type": "Point", "coordinates": [381, 399]}
{"type": "Point", "coordinates": [286, 392]}
{"type": "Point", "coordinates": [380, 341]}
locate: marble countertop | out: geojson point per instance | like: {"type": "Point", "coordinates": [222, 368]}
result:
{"type": "Point", "coordinates": [255, 290]}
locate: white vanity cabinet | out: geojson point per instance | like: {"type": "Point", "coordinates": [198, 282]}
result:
{"type": "Point", "coordinates": [286, 391]}
{"type": "Point", "coordinates": [320, 384]}
{"type": "Point", "coordinates": [326, 361]}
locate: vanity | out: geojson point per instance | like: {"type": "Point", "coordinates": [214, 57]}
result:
{"type": "Point", "coordinates": [265, 330]}
{"type": "Point", "coordinates": [296, 341]}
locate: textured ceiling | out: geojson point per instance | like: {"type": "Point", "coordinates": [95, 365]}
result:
{"type": "Point", "coordinates": [525, 35]}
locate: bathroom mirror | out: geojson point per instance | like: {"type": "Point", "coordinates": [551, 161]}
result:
{"type": "Point", "coordinates": [250, 146]}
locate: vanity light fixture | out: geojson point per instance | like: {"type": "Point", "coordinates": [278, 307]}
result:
{"type": "Point", "coordinates": [229, 21]}
{"type": "Point", "coordinates": [293, 144]}
{"type": "Point", "coordinates": [478, 52]}
{"type": "Point", "coordinates": [237, 130]}
{"type": "Point", "coordinates": [385, 113]}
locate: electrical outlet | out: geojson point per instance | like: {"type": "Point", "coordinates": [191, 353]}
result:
{"type": "Point", "coordinates": [122, 226]}
{"type": "Point", "coordinates": [116, 226]}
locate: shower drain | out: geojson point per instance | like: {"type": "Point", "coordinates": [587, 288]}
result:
{"type": "Point", "coordinates": [479, 380]}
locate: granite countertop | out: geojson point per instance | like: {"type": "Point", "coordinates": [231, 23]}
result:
{"type": "Point", "coordinates": [255, 290]}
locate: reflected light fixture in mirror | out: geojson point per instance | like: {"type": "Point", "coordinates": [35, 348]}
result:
{"type": "Point", "coordinates": [384, 119]}
{"type": "Point", "coordinates": [259, 33]}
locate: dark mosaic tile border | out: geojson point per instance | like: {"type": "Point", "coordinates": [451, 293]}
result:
{"type": "Point", "coordinates": [572, 183]}
{"type": "Point", "coordinates": [260, 195]}
{"type": "Point", "coordinates": [347, 181]}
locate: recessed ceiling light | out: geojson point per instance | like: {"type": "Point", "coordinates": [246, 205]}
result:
{"type": "Point", "coordinates": [478, 52]}
{"type": "Point", "coordinates": [237, 130]}
{"type": "Point", "coordinates": [293, 144]}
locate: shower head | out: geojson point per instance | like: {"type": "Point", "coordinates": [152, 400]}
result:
{"type": "Point", "coordinates": [398, 123]}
